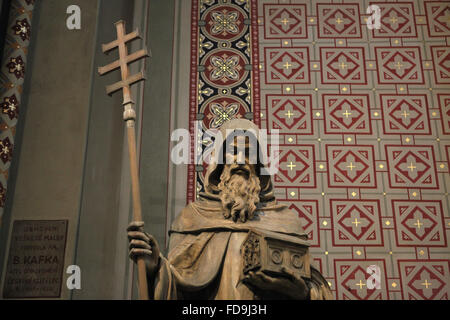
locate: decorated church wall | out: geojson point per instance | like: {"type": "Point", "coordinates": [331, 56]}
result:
{"type": "Point", "coordinates": [363, 117]}
{"type": "Point", "coordinates": [363, 121]}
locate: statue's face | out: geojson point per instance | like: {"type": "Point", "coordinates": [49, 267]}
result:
{"type": "Point", "coordinates": [237, 158]}
{"type": "Point", "coordinates": [239, 183]}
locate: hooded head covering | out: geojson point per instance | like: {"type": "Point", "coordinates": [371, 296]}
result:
{"type": "Point", "coordinates": [215, 168]}
{"type": "Point", "coordinates": [206, 214]}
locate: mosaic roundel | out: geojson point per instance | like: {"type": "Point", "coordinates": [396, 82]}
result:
{"type": "Point", "coordinates": [224, 22]}
{"type": "Point", "coordinates": [221, 109]}
{"type": "Point", "coordinates": [224, 68]}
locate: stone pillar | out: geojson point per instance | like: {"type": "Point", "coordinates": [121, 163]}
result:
{"type": "Point", "coordinates": [70, 164]}
{"type": "Point", "coordinates": [73, 162]}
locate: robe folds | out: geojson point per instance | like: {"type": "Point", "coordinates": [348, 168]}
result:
{"type": "Point", "coordinates": [204, 259]}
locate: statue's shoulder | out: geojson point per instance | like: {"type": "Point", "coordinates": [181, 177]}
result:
{"type": "Point", "coordinates": [279, 217]}
{"type": "Point", "coordinates": [197, 215]}
{"type": "Point", "coordinates": [201, 206]}
{"type": "Point", "coordinates": [275, 207]}
{"type": "Point", "coordinates": [185, 213]}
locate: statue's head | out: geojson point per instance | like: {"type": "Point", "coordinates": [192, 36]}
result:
{"type": "Point", "coordinates": [237, 178]}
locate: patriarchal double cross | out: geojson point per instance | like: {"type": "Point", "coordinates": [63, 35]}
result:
{"type": "Point", "coordinates": [129, 116]}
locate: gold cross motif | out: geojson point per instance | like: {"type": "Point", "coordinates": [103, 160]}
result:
{"type": "Point", "coordinates": [285, 21]}
{"type": "Point", "coordinates": [346, 114]}
{"type": "Point", "coordinates": [289, 114]}
{"type": "Point", "coordinates": [426, 283]}
{"type": "Point", "coordinates": [405, 114]}
{"type": "Point", "coordinates": [343, 65]}
{"type": "Point", "coordinates": [418, 224]}
{"type": "Point", "coordinates": [356, 222]}
{"type": "Point", "coordinates": [287, 65]}
{"type": "Point", "coordinates": [339, 20]}
{"type": "Point", "coordinates": [291, 166]}
{"type": "Point", "coordinates": [412, 167]}
{"type": "Point", "coordinates": [399, 65]}
{"type": "Point", "coordinates": [393, 20]}
{"type": "Point", "coordinates": [360, 284]}
{"type": "Point", "coordinates": [351, 166]}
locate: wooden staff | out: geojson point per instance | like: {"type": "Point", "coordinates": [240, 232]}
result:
{"type": "Point", "coordinates": [129, 117]}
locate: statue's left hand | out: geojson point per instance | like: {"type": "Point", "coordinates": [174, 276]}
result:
{"type": "Point", "coordinates": [290, 284]}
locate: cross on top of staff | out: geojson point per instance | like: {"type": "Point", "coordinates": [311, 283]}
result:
{"type": "Point", "coordinates": [129, 116]}
{"type": "Point", "coordinates": [123, 61]}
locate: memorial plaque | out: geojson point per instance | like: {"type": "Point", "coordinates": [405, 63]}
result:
{"type": "Point", "coordinates": [36, 260]}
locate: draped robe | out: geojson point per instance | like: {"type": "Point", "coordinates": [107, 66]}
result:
{"type": "Point", "coordinates": [204, 260]}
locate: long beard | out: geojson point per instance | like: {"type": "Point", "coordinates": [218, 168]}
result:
{"type": "Point", "coordinates": [239, 194]}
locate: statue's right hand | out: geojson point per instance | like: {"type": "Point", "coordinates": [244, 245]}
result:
{"type": "Point", "coordinates": [143, 245]}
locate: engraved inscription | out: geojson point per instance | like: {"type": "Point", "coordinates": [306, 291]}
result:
{"type": "Point", "coordinates": [36, 259]}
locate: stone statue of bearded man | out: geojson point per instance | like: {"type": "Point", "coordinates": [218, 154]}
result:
{"type": "Point", "coordinates": [236, 241]}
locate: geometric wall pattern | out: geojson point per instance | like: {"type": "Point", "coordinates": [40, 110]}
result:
{"type": "Point", "coordinates": [364, 121]}
{"type": "Point", "coordinates": [12, 76]}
